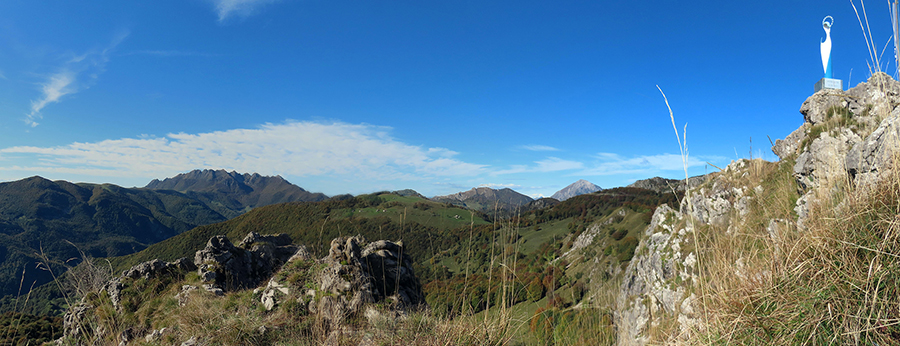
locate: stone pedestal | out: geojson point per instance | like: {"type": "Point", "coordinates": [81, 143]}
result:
{"type": "Point", "coordinates": [829, 83]}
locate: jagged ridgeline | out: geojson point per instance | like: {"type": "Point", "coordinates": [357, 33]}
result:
{"type": "Point", "coordinates": [558, 256]}
{"type": "Point", "coordinates": [231, 193]}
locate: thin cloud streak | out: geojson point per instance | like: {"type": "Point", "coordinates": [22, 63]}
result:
{"type": "Point", "coordinates": [538, 147]}
{"type": "Point", "coordinates": [56, 87]}
{"type": "Point", "coordinates": [294, 148]}
{"type": "Point", "coordinates": [612, 164]}
{"type": "Point", "coordinates": [550, 164]}
{"type": "Point", "coordinates": [609, 164]}
{"type": "Point", "coordinates": [70, 78]}
{"type": "Point", "coordinates": [242, 8]}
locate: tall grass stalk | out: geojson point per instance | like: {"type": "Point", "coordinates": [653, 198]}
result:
{"type": "Point", "coordinates": [683, 148]}
{"type": "Point", "coordinates": [875, 61]}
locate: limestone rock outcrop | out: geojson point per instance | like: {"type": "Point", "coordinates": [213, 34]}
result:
{"type": "Point", "coordinates": [343, 284]}
{"type": "Point", "coordinates": [354, 276]}
{"type": "Point", "coordinates": [847, 136]}
{"type": "Point", "coordinates": [230, 267]}
{"type": "Point", "coordinates": [659, 280]}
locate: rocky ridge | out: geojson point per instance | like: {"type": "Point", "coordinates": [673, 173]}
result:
{"type": "Point", "coordinates": [658, 282]}
{"type": "Point", "coordinates": [846, 136]}
{"type": "Point", "coordinates": [346, 283]}
{"type": "Point", "coordinates": [233, 193]}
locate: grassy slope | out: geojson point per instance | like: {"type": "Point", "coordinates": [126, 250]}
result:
{"type": "Point", "coordinates": [500, 258]}
{"type": "Point", "coordinates": [379, 216]}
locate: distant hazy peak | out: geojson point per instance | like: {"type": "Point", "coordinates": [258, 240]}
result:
{"type": "Point", "coordinates": [503, 195]}
{"type": "Point", "coordinates": [579, 187]}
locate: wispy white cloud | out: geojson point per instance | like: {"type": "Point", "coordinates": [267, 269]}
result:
{"type": "Point", "coordinates": [550, 164]}
{"type": "Point", "coordinates": [610, 164]}
{"type": "Point", "coordinates": [2, 76]}
{"type": "Point", "coordinates": [58, 85]}
{"type": "Point", "coordinates": [537, 147]}
{"type": "Point", "coordinates": [241, 8]}
{"type": "Point", "coordinates": [76, 74]}
{"type": "Point", "coordinates": [292, 148]}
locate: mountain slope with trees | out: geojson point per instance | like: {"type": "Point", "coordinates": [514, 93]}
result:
{"type": "Point", "coordinates": [487, 200]}
{"type": "Point", "coordinates": [50, 222]}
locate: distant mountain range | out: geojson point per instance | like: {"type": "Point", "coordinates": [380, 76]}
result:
{"type": "Point", "coordinates": [232, 193]}
{"type": "Point", "coordinates": [486, 200]}
{"type": "Point", "coordinates": [577, 188]}
{"type": "Point", "coordinates": [51, 222]}
{"type": "Point", "coordinates": [59, 220]}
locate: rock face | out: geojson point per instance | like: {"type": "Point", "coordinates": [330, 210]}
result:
{"type": "Point", "coordinates": [830, 140]}
{"type": "Point", "coordinates": [659, 279]}
{"type": "Point", "coordinates": [354, 277]}
{"type": "Point", "coordinates": [230, 267]}
{"type": "Point", "coordinates": [577, 188]}
{"type": "Point", "coordinates": [651, 284]}
{"type": "Point", "coordinates": [850, 135]}
{"type": "Point", "coordinates": [847, 136]}
{"type": "Point", "coordinates": [147, 270]}
{"type": "Point", "coordinates": [392, 273]}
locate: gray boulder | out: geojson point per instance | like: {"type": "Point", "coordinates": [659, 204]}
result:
{"type": "Point", "coordinates": [230, 267]}
{"type": "Point", "coordinates": [355, 277]}
{"type": "Point", "coordinates": [876, 153]}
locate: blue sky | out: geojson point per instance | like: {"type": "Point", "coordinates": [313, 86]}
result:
{"type": "Point", "coordinates": [437, 96]}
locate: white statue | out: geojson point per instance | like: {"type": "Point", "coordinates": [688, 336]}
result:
{"type": "Point", "coordinates": [826, 45]}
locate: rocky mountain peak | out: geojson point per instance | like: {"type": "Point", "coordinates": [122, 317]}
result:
{"type": "Point", "coordinates": [579, 187]}
{"type": "Point", "coordinates": [207, 180]}
{"type": "Point", "coordinates": [233, 192]}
